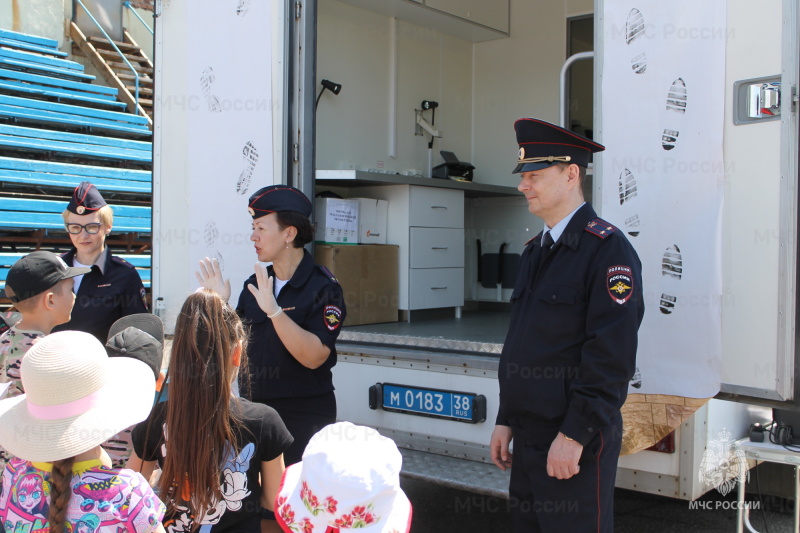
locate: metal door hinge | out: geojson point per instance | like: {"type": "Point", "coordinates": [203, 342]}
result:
{"type": "Point", "coordinates": [298, 8]}
{"type": "Point", "coordinates": [296, 152]}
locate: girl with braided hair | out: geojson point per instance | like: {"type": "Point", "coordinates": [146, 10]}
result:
{"type": "Point", "coordinates": [61, 479]}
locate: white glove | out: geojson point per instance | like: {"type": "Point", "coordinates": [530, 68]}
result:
{"type": "Point", "coordinates": [264, 293]}
{"type": "Point", "coordinates": [210, 277]}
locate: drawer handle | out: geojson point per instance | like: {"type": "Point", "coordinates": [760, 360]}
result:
{"type": "Point", "coordinates": [438, 247]}
{"type": "Point", "coordinates": [439, 288]}
{"type": "Point", "coordinates": [438, 207]}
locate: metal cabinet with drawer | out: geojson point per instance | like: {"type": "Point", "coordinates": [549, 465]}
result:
{"type": "Point", "coordinates": [427, 223]}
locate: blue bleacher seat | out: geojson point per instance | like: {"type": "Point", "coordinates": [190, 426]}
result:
{"type": "Point", "coordinates": [60, 95]}
{"type": "Point", "coordinates": [57, 128]}
{"type": "Point", "coordinates": [79, 86]}
{"type": "Point", "coordinates": [141, 262]}
{"type": "Point", "coordinates": [27, 214]}
{"type": "Point", "coordinates": [68, 176]}
{"type": "Point", "coordinates": [52, 62]}
{"type": "Point", "coordinates": [44, 42]}
{"type": "Point", "coordinates": [74, 144]}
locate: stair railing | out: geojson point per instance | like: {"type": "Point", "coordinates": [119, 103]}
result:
{"type": "Point", "coordinates": [110, 40]}
{"type": "Point", "coordinates": [138, 16]}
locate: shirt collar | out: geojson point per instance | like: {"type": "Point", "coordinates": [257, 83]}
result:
{"type": "Point", "coordinates": [77, 468]}
{"type": "Point", "coordinates": [101, 262]}
{"type": "Point", "coordinates": [558, 229]}
{"type": "Point", "coordinates": [302, 272]}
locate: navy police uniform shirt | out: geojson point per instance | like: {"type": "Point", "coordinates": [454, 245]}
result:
{"type": "Point", "coordinates": [314, 300]}
{"type": "Point", "coordinates": [571, 345]}
{"type": "Point", "coordinates": [112, 290]}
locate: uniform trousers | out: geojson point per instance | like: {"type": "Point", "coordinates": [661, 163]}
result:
{"type": "Point", "coordinates": [303, 418]}
{"type": "Point", "coordinates": [583, 503]}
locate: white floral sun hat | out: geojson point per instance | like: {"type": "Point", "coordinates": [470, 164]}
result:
{"type": "Point", "coordinates": [349, 478]}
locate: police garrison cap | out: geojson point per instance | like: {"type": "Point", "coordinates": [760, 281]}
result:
{"type": "Point", "coordinates": [277, 198]}
{"type": "Point", "coordinates": [86, 199]}
{"type": "Point", "coordinates": [542, 145]}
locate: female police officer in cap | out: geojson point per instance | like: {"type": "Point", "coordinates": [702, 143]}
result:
{"type": "Point", "coordinates": [295, 311]}
{"type": "Point", "coordinates": [113, 288]}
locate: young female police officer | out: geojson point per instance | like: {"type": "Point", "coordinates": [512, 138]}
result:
{"type": "Point", "coordinates": [113, 288]}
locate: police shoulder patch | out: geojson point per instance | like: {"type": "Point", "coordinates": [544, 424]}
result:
{"type": "Point", "coordinates": [619, 280]}
{"type": "Point", "coordinates": [600, 228]}
{"type": "Point", "coordinates": [333, 317]}
{"type": "Point", "coordinates": [328, 273]}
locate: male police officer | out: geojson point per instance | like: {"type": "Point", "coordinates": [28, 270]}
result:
{"type": "Point", "coordinates": [571, 345]}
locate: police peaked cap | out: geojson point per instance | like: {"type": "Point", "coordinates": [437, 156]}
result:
{"type": "Point", "coordinates": [86, 199]}
{"type": "Point", "coordinates": [276, 198]}
{"type": "Point", "coordinates": [542, 145]}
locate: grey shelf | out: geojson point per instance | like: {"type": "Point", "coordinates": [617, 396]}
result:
{"type": "Point", "coordinates": [357, 178]}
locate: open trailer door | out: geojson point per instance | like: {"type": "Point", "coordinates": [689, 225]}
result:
{"type": "Point", "coordinates": [705, 187]}
{"type": "Point", "coordinates": [220, 134]}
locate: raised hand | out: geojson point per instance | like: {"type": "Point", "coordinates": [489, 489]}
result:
{"type": "Point", "coordinates": [210, 277]}
{"type": "Point", "coordinates": [264, 293]}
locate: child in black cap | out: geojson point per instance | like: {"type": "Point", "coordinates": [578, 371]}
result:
{"type": "Point", "coordinates": [40, 286]}
{"type": "Point", "coordinates": [112, 289]}
{"type": "Point", "coordinates": [139, 337]}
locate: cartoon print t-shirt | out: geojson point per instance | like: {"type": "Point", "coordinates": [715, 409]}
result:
{"type": "Point", "coordinates": [263, 437]}
{"type": "Point", "coordinates": [103, 499]}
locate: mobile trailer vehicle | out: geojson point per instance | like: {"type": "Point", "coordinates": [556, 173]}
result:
{"type": "Point", "coordinates": [238, 110]}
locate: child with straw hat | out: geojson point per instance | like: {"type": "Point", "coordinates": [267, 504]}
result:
{"type": "Point", "coordinates": [76, 397]}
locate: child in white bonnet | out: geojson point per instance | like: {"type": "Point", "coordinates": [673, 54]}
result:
{"type": "Point", "coordinates": [349, 478]}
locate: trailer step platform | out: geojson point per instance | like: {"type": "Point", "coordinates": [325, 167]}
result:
{"type": "Point", "coordinates": [460, 474]}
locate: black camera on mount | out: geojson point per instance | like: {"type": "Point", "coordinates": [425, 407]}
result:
{"type": "Point", "coordinates": [756, 432]}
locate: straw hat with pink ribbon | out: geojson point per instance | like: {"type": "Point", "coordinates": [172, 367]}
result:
{"type": "Point", "coordinates": [76, 398]}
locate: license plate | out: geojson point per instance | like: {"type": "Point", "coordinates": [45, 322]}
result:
{"type": "Point", "coordinates": [451, 405]}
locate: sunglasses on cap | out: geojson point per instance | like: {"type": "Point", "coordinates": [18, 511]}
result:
{"type": "Point", "coordinates": [91, 228]}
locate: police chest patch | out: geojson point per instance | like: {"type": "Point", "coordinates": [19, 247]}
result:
{"type": "Point", "coordinates": [333, 317]}
{"type": "Point", "coordinates": [620, 283]}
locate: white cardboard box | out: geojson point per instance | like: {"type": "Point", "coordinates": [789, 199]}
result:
{"type": "Point", "coordinates": [337, 220]}
{"type": "Point", "coordinates": [372, 217]}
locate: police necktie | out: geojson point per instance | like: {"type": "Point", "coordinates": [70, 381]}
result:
{"type": "Point", "coordinates": [547, 243]}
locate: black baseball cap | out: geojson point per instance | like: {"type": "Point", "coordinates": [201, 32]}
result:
{"type": "Point", "coordinates": [137, 344]}
{"type": "Point", "coordinates": [147, 322]}
{"type": "Point", "coordinates": [277, 198]}
{"type": "Point", "coordinates": [542, 145]}
{"type": "Point", "coordinates": [37, 272]}
{"type": "Point", "coordinates": [86, 199]}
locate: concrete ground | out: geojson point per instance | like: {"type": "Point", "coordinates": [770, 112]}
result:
{"type": "Point", "coordinates": [443, 510]}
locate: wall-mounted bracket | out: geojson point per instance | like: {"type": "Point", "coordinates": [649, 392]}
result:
{"type": "Point", "coordinates": [422, 125]}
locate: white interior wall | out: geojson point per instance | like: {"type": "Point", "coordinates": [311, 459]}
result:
{"type": "Point", "coordinates": [518, 77]}
{"type": "Point", "coordinates": [354, 49]}
{"type": "Point", "coordinates": [481, 88]}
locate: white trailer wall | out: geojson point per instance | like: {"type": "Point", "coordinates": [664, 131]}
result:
{"type": "Point", "coordinates": [218, 138]}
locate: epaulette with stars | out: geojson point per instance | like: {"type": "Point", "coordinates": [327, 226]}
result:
{"type": "Point", "coordinates": [328, 273]}
{"type": "Point", "coordinates": [600, 228]}
{"type": "Point", "coordinates": [121, 261]}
